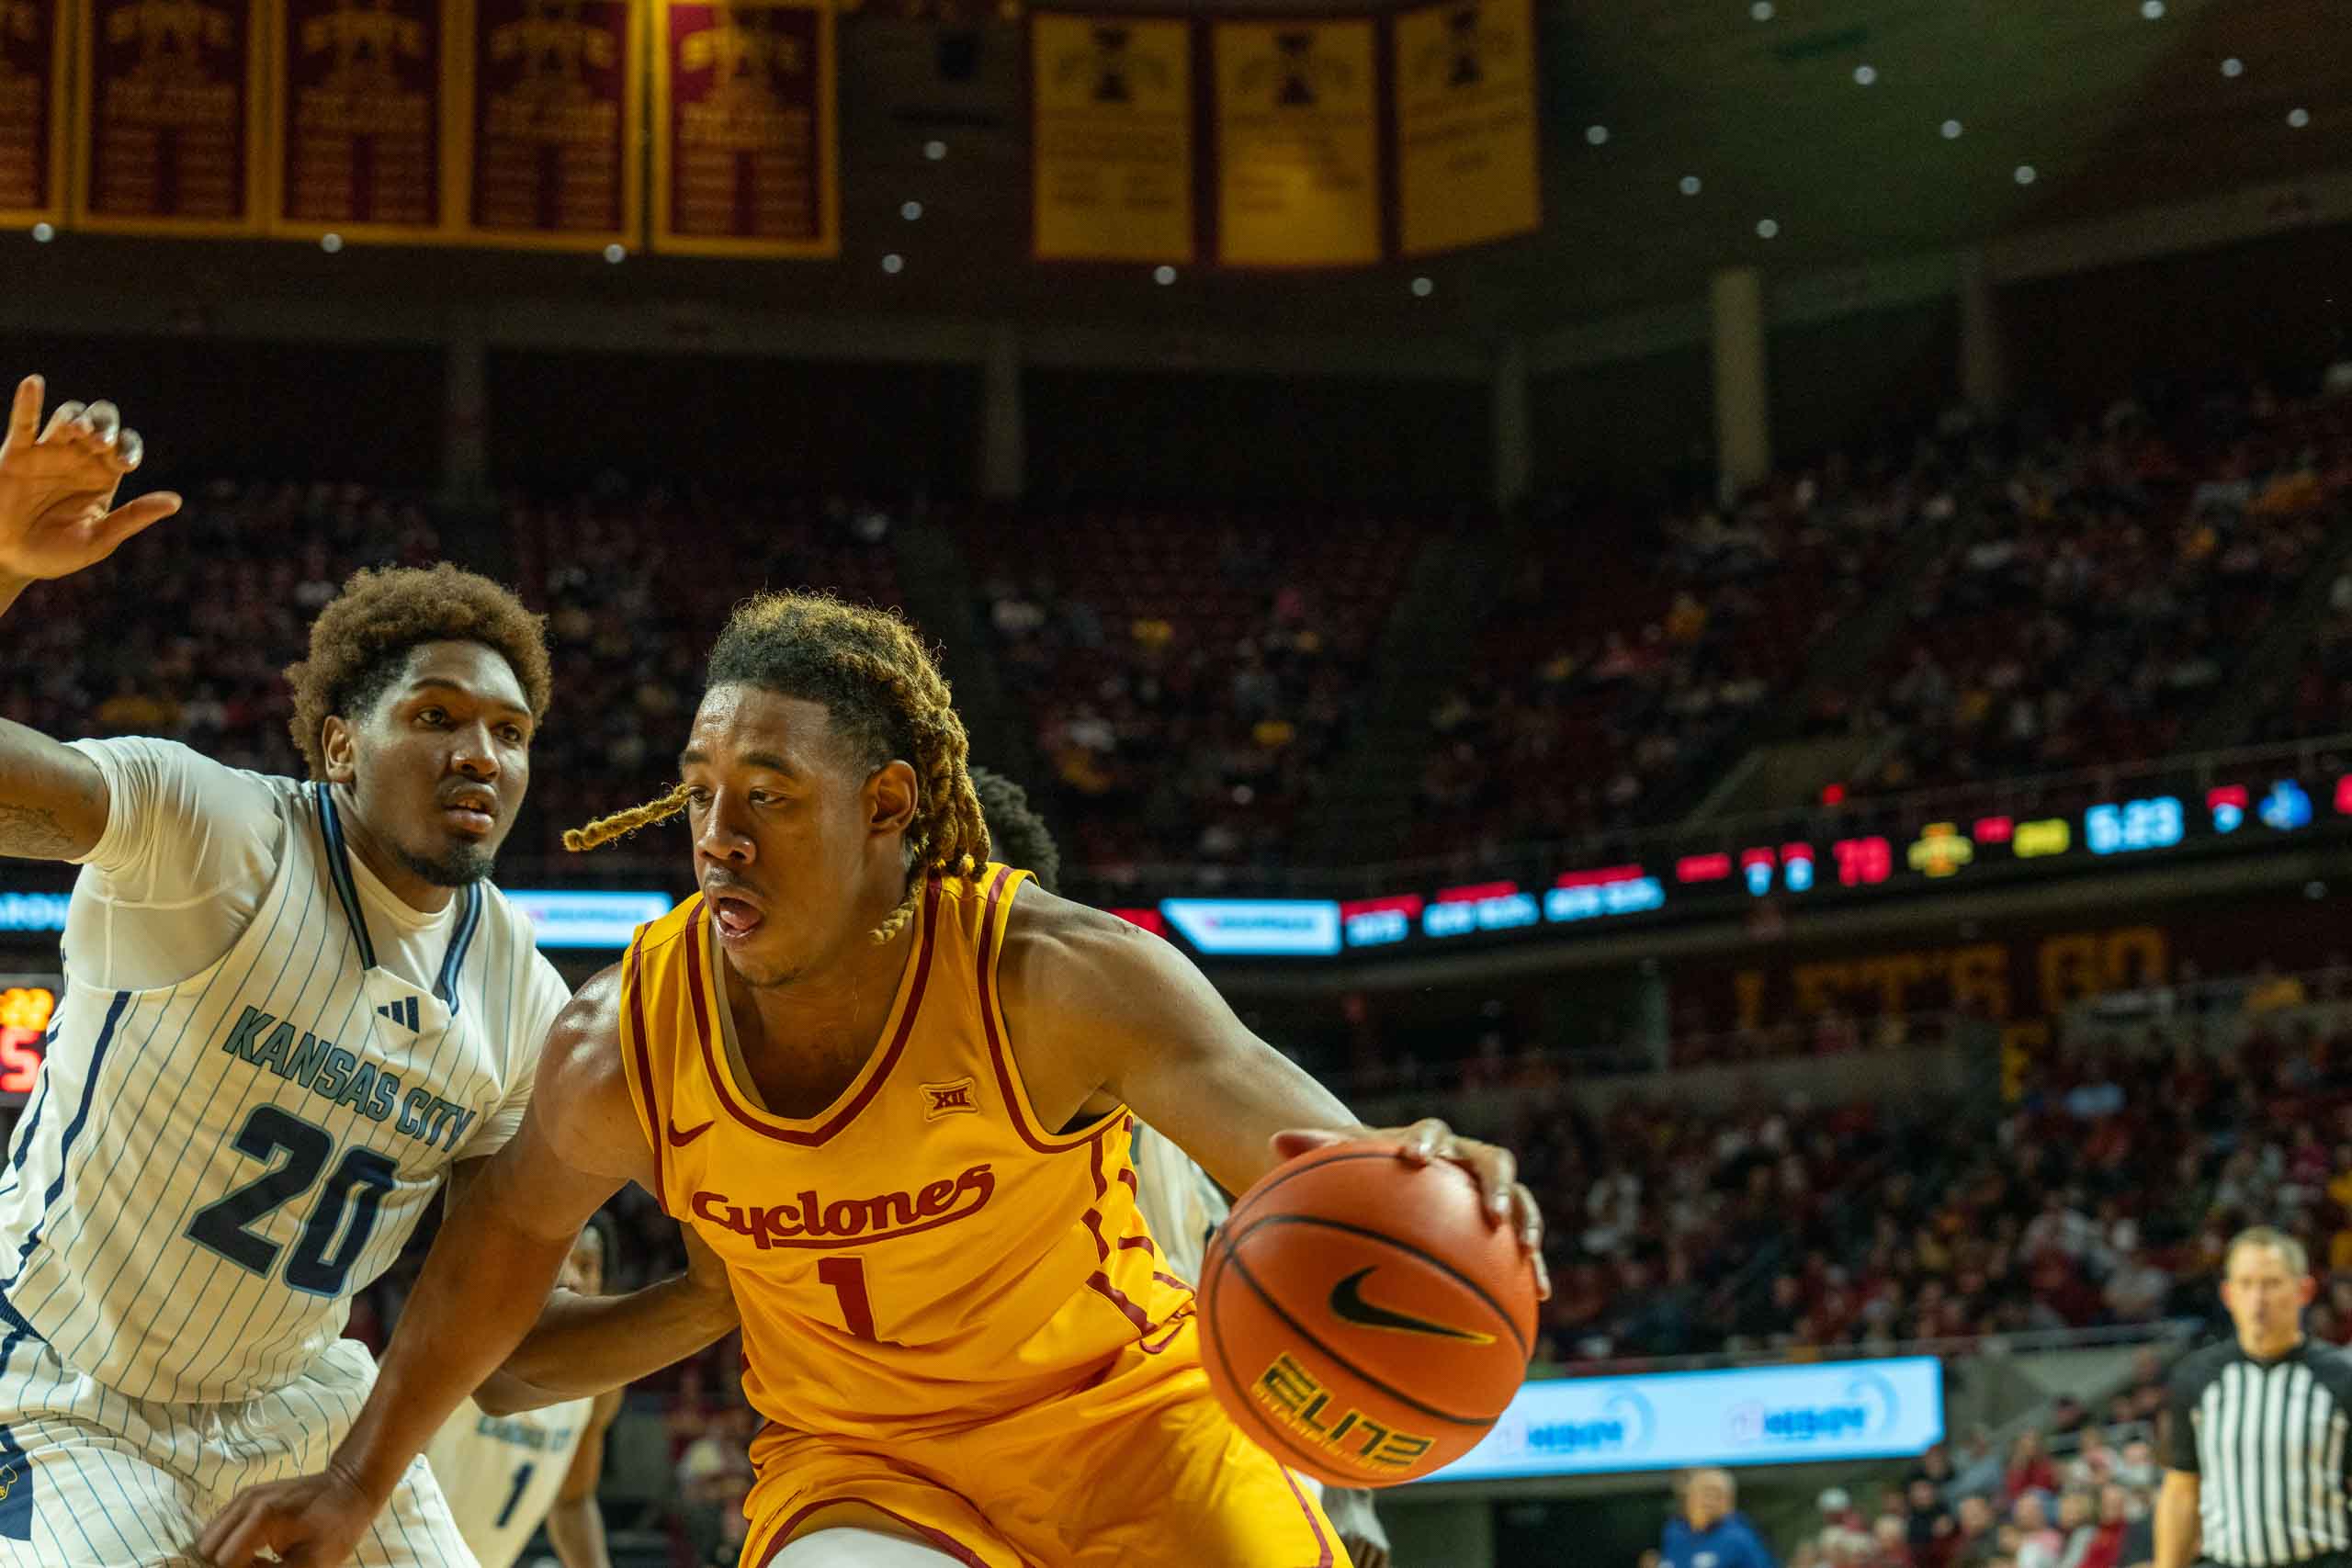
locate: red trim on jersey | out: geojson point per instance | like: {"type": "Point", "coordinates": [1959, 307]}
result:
{"type": "Point", "coordinates": [847, 1113]}
{"type": "Point", "coordinates": [1016, 1102]}
{"type": "Point", "coordinates": [1322, 1542]}
{"type": "Point", "coordinates": [940, 1539]}
{"type": "Point", "coordinates": [652, 1107]}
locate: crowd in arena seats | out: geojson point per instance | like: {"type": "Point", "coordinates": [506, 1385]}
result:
{"type": "Point", "coordinates": [1189, 678]}
{"type": "Point", "coordinates": [1620, 656]}
{"type": "Point", "coordinates": [1821, 1225]}
{"type": "Point", "coordinates": [636, 584]}
{"type": "Point", "coordinates": [2072, 1492]}
{"type": "Point", "coordinates": [2097, 611]}
{"type": "Point", "coordinates": [185, 633]}
{"type": "Point", "coordinates": [2087, 592]}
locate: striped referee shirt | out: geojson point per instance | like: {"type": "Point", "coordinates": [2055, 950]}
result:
{"type": "Point", "coordinates": [2266, 1440]}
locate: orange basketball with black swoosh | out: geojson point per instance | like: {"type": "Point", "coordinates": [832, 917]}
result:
{"type": "Point", "coordinates": [1359, 1316]}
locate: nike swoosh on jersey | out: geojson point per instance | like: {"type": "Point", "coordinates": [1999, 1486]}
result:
{"type": "Point", "coordinates": [1347, 1301]}
{"type": "Point", "coordinates": [679, 1140]}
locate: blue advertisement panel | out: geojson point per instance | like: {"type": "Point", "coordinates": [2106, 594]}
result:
{"type": "Point", "coordinates": [569, 919]}
{"type": "Point", "coordinates": [1840, 1410]}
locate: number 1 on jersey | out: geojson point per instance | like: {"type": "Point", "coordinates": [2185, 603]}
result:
{"type": "Point", "coordinates": [522, 1479]}
{"type": "Point", "coordinates": [847, 1277]}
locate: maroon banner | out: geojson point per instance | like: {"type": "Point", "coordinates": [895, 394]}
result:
{"type": "Point", "coordinates": [555, 119]}
{"type": "Point", "coordinates": [360, 112]}
{"type": "Point", "coordinates": [744, 152]}
{"type": "Point", "coordinates": [32, 103]}
{"type": "Point", "coordinates": [167, 130]}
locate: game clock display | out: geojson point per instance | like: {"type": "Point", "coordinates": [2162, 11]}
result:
{"type": "Point", "coordinates": [27, 1005]}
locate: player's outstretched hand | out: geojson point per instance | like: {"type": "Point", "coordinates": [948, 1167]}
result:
{"type": "Point", "coordinates": [1508, 1198]}
{"type": "Point", "coordinates": [311, 1522]}
{"type": "Point", "coordinates": [57, 485]}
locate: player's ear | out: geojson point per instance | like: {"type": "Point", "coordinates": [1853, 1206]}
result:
{"type": "Point", "coordinates": [336, 745]}
{"type": "Point", "coordinates": [891, 797]}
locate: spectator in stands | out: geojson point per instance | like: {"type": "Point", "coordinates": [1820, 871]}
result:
{"type": "Point", "coordinates": [2040, 1544]}
{"type": "Point", "coordinates": [2029, 1469]}
{"type": "Point", "coordinates": [714, 1475]}
{"type": "Point", "coordinates": [1708, 1532]}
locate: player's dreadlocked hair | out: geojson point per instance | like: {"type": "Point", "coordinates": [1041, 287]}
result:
{"type": "Point", "coordinates": [1017, 835]}
{"type": "Point", "coordinates": [362, 639]}
{"type": "Point", "coordinates": [886, 699]}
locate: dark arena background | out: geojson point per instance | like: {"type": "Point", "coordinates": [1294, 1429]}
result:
{"type": "Point", "coordinates": [1752, 599]}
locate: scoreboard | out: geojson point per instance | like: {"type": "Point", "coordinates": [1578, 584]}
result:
{"type": "Point", "coordinates": [27, 1003]}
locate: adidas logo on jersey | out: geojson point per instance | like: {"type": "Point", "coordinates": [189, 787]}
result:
{"type": "Point", "coordinates": [402, 1011]}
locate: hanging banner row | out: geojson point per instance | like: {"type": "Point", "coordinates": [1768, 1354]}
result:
{"type": "Point", "coordinates": [1323, 143]}
{"type": "Point", "coordinates": [498, 122]}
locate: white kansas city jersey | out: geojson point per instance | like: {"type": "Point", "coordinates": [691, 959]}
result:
{"type": "Point", "coordinates": [217, 1157]}
{"type": "Point", "coordinates": [501, 1473]}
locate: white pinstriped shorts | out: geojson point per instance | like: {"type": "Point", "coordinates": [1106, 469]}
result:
{"type": "Point", "coordinates": [90, 1479]}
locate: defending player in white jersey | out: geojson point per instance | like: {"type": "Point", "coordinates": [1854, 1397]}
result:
{"type": "Point", "coordinates": [1181, 1205]}
{"type": "Point", "coordinates": [292, 1008]}
{"type": "Point", "coordinates": [504, 1475]}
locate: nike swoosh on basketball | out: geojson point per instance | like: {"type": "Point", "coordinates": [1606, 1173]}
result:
{"type": "Point", "coordinates": [679, 1140]}
{"type": "Point", "coordinates": [1347, 1301]}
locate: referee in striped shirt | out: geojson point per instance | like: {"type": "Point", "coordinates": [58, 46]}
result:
{"type": "Point", "coordinates": [2255, 1455]}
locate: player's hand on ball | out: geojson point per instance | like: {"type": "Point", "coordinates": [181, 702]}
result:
{"type": "Point", "coordinates": [1507, 1198]}
{"type": "Point", "coordinates": [311, 1522]}
{"type": "Point", "coordinates": [57, 485]}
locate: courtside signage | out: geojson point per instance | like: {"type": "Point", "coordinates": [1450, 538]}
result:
{"type": "Point", "coordinates": [1250, 927]}
{"type": "Point", "coordinates": [565, 918]}
{"type": "Point", "coordinates": [1842, 1410]}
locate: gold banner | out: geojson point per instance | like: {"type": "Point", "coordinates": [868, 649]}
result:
{"type": "Point", "coordinates": [745, 132]}
{"type": "Point", "coordinates": [33, 66]}
{"type": "Point", "coordinates": [167, 125]}
{"type": "Point", "coordinates": [553, 107]}
{"type": "Point", "coordinates": [1466, 164]}
{"type": "Point", "coordinates": [1297, 144]}
{"type": "Point", "coordinates": [1110, 139]}
{"type": "Point", "coordinates": [369, 121]}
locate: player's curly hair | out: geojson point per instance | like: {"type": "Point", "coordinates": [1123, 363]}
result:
{"type": "Point", "coordinates": [362, 639]}
{"type": "Point", "coordinates": [888, 700]}
{"type": "Point", "coordinates": [1017, 835]}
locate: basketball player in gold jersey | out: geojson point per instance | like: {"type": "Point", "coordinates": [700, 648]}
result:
{"type": "Point", "coordinates": [888, 1084]}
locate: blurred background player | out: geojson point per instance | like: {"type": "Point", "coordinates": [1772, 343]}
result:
{"type": "Point", "coordinates": [854, 1021]}
{"type": "Point", "coordinates": [1181, 1207]}
{"type": "Point", "coordinates": [294, 1007]}
{"type": "Point", "coordinates": [505, 1474]}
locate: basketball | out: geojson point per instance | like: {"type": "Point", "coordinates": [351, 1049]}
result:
{"type": "Point", "coordinates": [1361, 1319]}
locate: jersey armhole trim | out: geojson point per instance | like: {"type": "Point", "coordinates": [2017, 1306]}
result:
{"type": "Point", "coordinates": [637, 1068]}
{"type": "Point", "coordinates": [1023, 1115]}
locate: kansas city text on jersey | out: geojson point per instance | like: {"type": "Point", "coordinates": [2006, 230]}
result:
{"type": "Point", "coordinates": [333, 1074]}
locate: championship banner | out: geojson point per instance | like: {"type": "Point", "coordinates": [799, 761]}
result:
{"type": "Point", "coordinates": [555, 110]}
{"type": "Point", "coordinates": [1110, 139]}
{"type": "Point", "coordinates": [744, 151]}
{"type": "Point", "coordinates": [1297, 144]}
{"type": "Point", "coordinates": [168, 128]}
{"type": "Point", "coordinates": [1466, 166]}
{"type": "Point", "coordinates": [33, 64]}
{"type": "Point", "coordinates": [365, 119]}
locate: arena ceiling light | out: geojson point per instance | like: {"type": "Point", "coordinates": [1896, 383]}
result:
{"type": "Point", "coordinates": [331, 244]}
{"type": "Point", "coordinates": [934, 150]}
{"type": "Point", "coordinates": [911, 210]}
{"type": "Point", "coordinates": [1761, 11]}
{"type": "Point", "coordinates": [1767, 228]}
{"type": "Point", "coordinates": [2027, 174]}
{"type": "Point", "coordinates": [1952, 130]}
{"type": "Point", "coordinates": [2234, 67]}
{"type": "Point", "coordinates": [43, 232]}
{"type": "Point", "coordinates": [1865, 75]}
{"type": "Point", "coordinates": [617, 253]}
{"type": "Point", "coordinates": [1163, 275]}
{"type": "Point", "coordinates": [894, 264]}
{"type": "Point", "coordinates": [1688, 184]}
{"type": "Point", "coordinates": [2153, 10]}
{"type": "Point", "coordinates": [1596, 135]}
{"type": "Point", "coordinates": [2299, 118]}
{"type": "Point", "coordinates": [1424, 289]}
